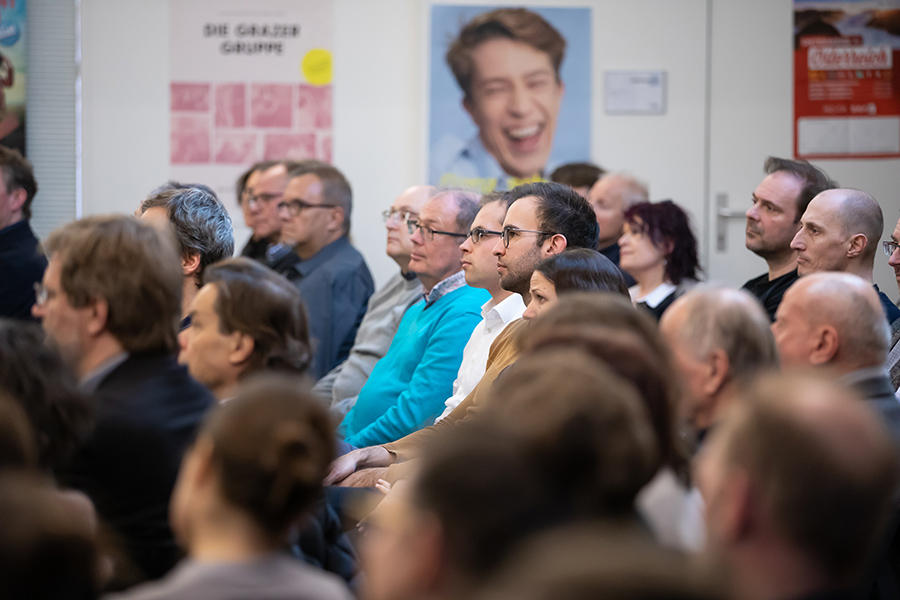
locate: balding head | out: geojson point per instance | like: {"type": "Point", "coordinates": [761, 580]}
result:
{"type": "Point", "coordinates": [834, 320]}
{"type": "Point", "coordinates": [611, 196]}
{"type": "Point", "coordinates": [839, 231]}
{"type": "Point", "coordinates": [717, 336]}
{"type": "Point", "coordinates": [795, 457]}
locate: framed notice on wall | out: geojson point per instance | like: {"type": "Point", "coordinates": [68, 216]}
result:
{"type": "Point", "coordinates": [13, 72]}
{"type": "Point", "coordinates": [250, 81]}
{"type": "Point", "coordinates": [847, 78]}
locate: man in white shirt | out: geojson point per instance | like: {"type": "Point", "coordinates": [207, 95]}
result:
{"type": "Point", "coordinates": [504, 307]}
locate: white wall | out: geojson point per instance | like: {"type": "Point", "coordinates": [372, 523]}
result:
{"type": "Point", "coordinates": [380, 106]}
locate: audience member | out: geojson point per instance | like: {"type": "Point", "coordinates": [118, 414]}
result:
{"type": "Point", "coordinates": [718, 338]}
{"type": "Point", "coordinates": [34, 375]}
{"type": "Point", "coordinates": [457, 520]}
{"type": "Point", "coordinates": [893, 360]}
{"type": "Point", "coordinates": [245, 319]}
{"type": "Point", "coordinates": [48, 551]}
{"type": "Point", "coordinates": [441, 533]}
{"type": "Point", "coordinates": [203, 229]}
{"type": "Point", "coordinates": [547, 207]}
{"type": "Point", "coordinates": [21, 261]}
{"type": "Point", "coordinates": [578, 176]}
{"type": "Point", "coordinates": [610, 329]}
{"type": "Point", "coordinates": [835, 321]}
{"type": "Point", "coordinates": [839, 231]}
{"type": "Point", "coordinates": [660, 252]}
{"type": "Point", "coordinates": [18, 450]}
{"type": "Point", "coordinates": [264, 232]}
{"type": "Point", "coordinates": [255, 469]}
{"type": "Point", "coordinates": [798, 482]}
{"type": "Point", "coordinates": [774, 219]}
{"type": "Point", "coordinates": [611, 196]}
{"type": "Point", "coordinates": [407, 387]}
{"type": "Point", "coordinates": [110, 302]}
{"type": "Point", "coordinates": [504, 307]}
{"type": "Point", "coordinates": [575, 270]}
{"type": "Point", "coordinates": [331, 274]}
{"type": "Point", "coordinates": [340, 387]}
{"type": "Point", "coordinates": [261, 204]}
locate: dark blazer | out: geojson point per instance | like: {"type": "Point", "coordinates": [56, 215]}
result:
{"type": "Point", "coordinates": [22, 265]}
{"type": "Point", "coordinates": [148, 410]}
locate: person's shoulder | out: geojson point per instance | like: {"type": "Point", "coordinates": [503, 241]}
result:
{"type": "Point", "coordinates": [313, 583]}
{"type": "Point", "coordinates": [154, 375]}
{"type": "Point", "coordinates": [753, 285]}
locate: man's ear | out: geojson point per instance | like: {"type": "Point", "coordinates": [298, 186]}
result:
{"type": "Point", "coordinates": [825, 345]}
{"type": "Point", "coordinates": [858, 244]}
{"type": "Point", "coordinates": [242, 348]}
{"type": "Point", "coordinates": [336, 220]}
{"type": "Point", "coordinates": [555, 244]}
{"type": "Point", "coordinates": [17, 199]}
{"type": "Point", "coordinates": [718, 368]}
{"type": "Point", "coordinates": [98, 316]}
{"type": "Point", "coordinates": [190, 264]}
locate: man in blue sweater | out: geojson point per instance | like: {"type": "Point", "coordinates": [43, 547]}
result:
{"type": "Point", "coordinates": [408, 387]}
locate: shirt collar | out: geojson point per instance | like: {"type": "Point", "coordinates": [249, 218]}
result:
{"type": "Point", "coordinates": [444, 287]}
{"type": "Point", "coordinates": [502, 313]}
{"type": "Point", "coordinates": [91, 381]}
{"type": "Point", "coordinates": [305, 267]}
{"type": "Point", "coordinates": [859, 375]}
{"type": "Point", "coordinates": [659, 293]}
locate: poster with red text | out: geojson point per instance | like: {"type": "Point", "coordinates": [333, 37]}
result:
{"type": "Point", "coordinates": [847, 78]}
{"type": "Point", "coordinates": [250, 81]}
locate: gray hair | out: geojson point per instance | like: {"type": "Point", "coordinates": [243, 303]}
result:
{"type": "Point", "coordinates": [200, 222]}
{"type": "Point", "coordinates": [468, 203]}
{"type": "Point", "coordinates": [733, 321]}
{"type": "Point", "coordinates": [850, 305]}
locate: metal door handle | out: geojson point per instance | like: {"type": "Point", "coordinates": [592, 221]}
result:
{"type": "Point", "coordinates": [723, 213]}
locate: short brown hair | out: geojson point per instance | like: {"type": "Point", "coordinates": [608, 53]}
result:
{"type": "Point", "coordinates": [17, 174]}
{"type": "Point", "coordinates": [577, 174]}
{"type": "Point", "coordinates": [135, 268]}
{"type": "Point", "coordinates": [273, 444]}
{"type": "Point", "coordinates": [830, 507]}
{"type": "Point", "coordinates": [517, 24]}
{"type": "Point", "coordinates": [260, 303]}
{"type": "Point", "coordinates": [814, 180]}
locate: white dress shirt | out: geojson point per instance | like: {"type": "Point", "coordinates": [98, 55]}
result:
{"type": "Point", "coordinates": [495, 318]}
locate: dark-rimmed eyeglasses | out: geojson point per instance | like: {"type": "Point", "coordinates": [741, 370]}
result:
{"type": "Point", "coordinates": [510, 232]}
{"type": "Point", "coordinates": [428, 233]}
{"type": "Point", "coordinates": [890, 248]}
{"type": "Point", "coordinates": [295, 207]}
{"type": "Point", "coordinates": [479, 233]}
{"type": "Point", "coordinates": [398, 216]}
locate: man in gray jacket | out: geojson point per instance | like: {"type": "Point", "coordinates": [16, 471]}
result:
{"type": "Point", "coordinates": [341, 385]}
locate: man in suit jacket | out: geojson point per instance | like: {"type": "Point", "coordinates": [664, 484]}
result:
{"type": "Point", "coordinates": [111, 301]}
{"type": "Point", "coordinates": [22, 263]}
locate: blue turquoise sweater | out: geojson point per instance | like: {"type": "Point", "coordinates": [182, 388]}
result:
{"type": "Point", "coordinates": [408, 387]}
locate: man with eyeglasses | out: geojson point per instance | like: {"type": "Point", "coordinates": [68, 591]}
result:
{"type": "Point", "coordinates": [331, 274]}
{"type": "Point", "coordinates": [408, 387]}
{"type": "Point", "coordinates": [340, 387]}
{"type": "Point", "coordinates": [839, 231]}
{"type": "Point", "coordinates": [262, 191]}
{"type": "Point", "coordinates": [542, 219]}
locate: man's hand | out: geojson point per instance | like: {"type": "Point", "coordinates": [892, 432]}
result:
{"type": "Point", "coordinates": [346, 465]}
{"type": "Point", "coordinates": [364, 478]}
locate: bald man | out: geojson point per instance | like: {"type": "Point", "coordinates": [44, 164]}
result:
{"type": "Point", "coordinates": [834, 321]}
{"type": "Point", "coordinates": [839, 231]}
{"type": "Point", "coordinates": [718, 337]}
{"type": "Point", "coordinates": [611, 196]}
{"type": "Point", "coordinates": [798, 483]}
{"type": "Point", "coordinates": [340, 387]}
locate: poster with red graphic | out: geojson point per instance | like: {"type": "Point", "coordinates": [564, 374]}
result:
{"type": "Point", "coordinates": [847, 78]}
{"type": "Point", "coordinates": [249, 82]}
